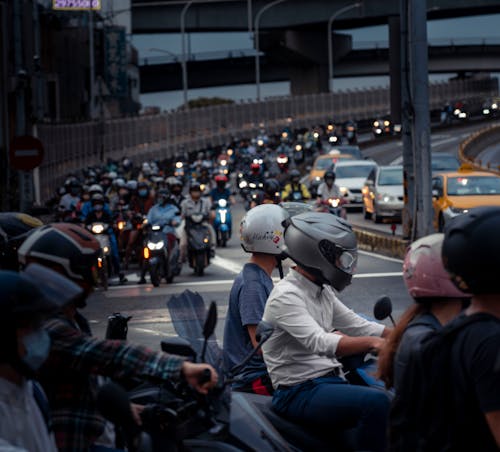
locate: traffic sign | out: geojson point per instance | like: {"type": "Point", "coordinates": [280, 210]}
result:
{"type": "Point", "coordinates": [26, 153]}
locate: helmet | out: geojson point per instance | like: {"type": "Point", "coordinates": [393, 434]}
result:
{"type": "Point", "coordinates": [221, 178]}
{"type": "Point", "coordinates": [324, 245]}
{"type": "Point", "coordinates": [471, 249]}
{"type": "Point", "coordinates": [119, 182]}
{"type": "Point", "coordinates": [171, 180]}
{"type": "Point", "coordinates": [254, 167]}
{"type": "Point", "coordinates": [423, 271]}
{"type": "Point", "coordinates": [95, 188]}
{"type": "Point", "coordinates": [97, 198]}
{"type": "Point", "coordinates": [294, 174]}
{"type": "Point", "coordinates": [329, 175]}
{"type": "Point", "coordinates": [65, 247]}
{"type": "Point", "coordinates": [271, 187]}
{"type": "Point", "coordinates": [262, 229]}
{"type": "Point", "coordinates": [132, 185]}
{"type": "Point", "coordinates": [195, 186]}
{"type": "Point", "coordinates": [112, 175]}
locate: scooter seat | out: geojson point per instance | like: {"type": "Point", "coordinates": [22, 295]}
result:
{"type": "Point", "coordinates": [302, 437]}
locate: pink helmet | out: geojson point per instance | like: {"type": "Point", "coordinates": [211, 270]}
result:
{"type": "Point", "coordinates": [424, 273]}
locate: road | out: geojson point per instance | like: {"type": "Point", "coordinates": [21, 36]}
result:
{"type": "Point", "coordinates": [376, 275]}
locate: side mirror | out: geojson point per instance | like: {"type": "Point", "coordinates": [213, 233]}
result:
{"type": "Point", "coordinates": [263, 331]}
{"type": "Point", "coordinates": [369, 183]}
{"type": "Point", "coordinates": [211, 321]}
{"type": "Point", "coordinates": [383, 308]}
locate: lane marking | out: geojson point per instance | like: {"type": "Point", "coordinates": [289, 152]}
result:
{"type": "Point", "coordinates": [377, 275]}
{"type": "Point", "coordinates": [226, 264]}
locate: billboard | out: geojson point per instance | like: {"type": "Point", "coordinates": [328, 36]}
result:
{"type": "Point", "coordinates": [76, 5]}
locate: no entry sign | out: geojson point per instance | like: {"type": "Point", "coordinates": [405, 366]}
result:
{"type": "Point", "coordinates": [26, 153]}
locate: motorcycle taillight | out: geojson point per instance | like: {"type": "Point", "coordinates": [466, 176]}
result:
{"type": "Point", "coordinates": [146, 252]}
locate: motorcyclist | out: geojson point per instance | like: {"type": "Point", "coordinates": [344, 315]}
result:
{"type": "Point", "coordinates": [76, 358]}
{"type": "Point", "coordinates": [69, 202]}
{"type": "Point", "coordinates": [26, 299]}
{"type": "Point", "coordinates": [437, 302]}
{"type": "Point", "coordinates": [271, 193]}
{"type": "Point", "coordinates": [175, 186]}
{"type": "Point", "coordinates": [195, 203]}
{"type": "Point", "coordinates": [99, 215]}
{"type": "Point", "coordinates": [87, 206]}
{"type": "Point", "coordinates": [312, 328]}
{"type": "Point", "coordinates": [295, 190]}
{"type": "Point", "coordinates": [329, 189]}
{"type": "Point", "coordinates": [255, 175]}
{"type": "Point", "coordinates": [220, 191]}
{"type": "Point", "coordinates": [262, 231]}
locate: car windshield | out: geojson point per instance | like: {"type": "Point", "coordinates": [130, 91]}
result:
{"type": "Point", "coordinates": [444, 163]}
{"type": "Point", "coordinates": [343, 172]}
{"type": "Point", "coordinates": [323, 164]}
{"type": "Point", "coordinates": [473, 186]}
{"type": "Point", "coordinates": [391, 176]}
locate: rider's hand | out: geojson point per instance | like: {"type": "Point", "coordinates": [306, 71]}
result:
{"type": "Point", "coordinates": [377, 344]}
{"type": "Point", "coordinates": [136, 411]}
{"type": "Point", "coordinates": [193, 372]}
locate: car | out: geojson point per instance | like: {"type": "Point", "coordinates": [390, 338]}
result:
{"type": "Point", "coordinates": [383, 193]}
{"type": "Point", "coordinates": [324, 162]}
{"type": "Point", "coordinates": [350, 178]}
{"type": "Point", "coordinates": [444, 162]}
{"type": "Point", "coordinates": [456, 192]}
{"type": "Point", "coordinates": [348, 149]}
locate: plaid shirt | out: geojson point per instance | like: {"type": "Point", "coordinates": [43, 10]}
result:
{"type": "Point", "coordinates": [70, 378]}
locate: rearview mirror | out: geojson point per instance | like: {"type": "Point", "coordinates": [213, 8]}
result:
{"type": "Point", "coordinates": [211, 321]}
{"type": "Point", "coordinates": [382, 308]}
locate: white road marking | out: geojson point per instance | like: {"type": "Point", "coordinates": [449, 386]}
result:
{"type": "Point", "coordinates": [227, 264]}
{"type": "Point", "coordinates": [377, 275]}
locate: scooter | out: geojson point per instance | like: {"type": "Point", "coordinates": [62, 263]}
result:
{"type": "Point", "coordinates": [176, 418]}
{"type": "Point", "coordinates": [161, 254]}
{"type": "Point", "coordinates": [333, 206]}
{"type": "Point", "coordinates": [100, 231]}
{"type": "Point", "coordinates": [198, 243]}
{"type": "Point", "coordinates": [222, 222]}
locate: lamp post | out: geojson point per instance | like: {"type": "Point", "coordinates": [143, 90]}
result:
{"type": "Point", "coordinates": [257, 52]}
{"type": "Point", "coordinates": [330, 40]}
{"type": "Point", "coordinates": [184, 57]}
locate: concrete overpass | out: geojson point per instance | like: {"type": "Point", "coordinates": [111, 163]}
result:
{"type": "Point", "coordinates": [164, 74]}
{"type": "Point", "coordinates": [163, 16]}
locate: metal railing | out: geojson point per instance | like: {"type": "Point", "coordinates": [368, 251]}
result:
{"type": "Point", "coordinates": [70, 147]}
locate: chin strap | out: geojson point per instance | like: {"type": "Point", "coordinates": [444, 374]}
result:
{"type": "Point", "coordinates": [280, 266]}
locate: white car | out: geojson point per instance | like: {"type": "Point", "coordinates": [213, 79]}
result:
{"type": "Point", "coordinates": [350, 178]}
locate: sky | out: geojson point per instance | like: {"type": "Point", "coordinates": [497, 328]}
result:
{"type": "Point", "coordinates": [439, 31]}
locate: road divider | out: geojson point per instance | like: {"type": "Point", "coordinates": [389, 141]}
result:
{"type": "Point", "coordinates": [379, 242]}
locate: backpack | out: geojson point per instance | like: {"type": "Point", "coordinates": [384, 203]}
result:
{"type": "Point", "coordinates": [433, 405]}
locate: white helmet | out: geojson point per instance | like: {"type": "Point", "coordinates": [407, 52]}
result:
{"type": "Point", "coordinates": [262, 229]}
{"type": "Point", "coordinates": [95, 188]}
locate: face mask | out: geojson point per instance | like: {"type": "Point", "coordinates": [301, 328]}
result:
{"type": "Point", "coordinates": [98, 207]}
{"type": "Point", "coordinates": [143, 192]}
{"type": "Point", "coordinates": [37, 345]}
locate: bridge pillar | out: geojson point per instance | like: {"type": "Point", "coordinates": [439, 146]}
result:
{"type": "Point", "coordinates": [395, 68]}
{"type": "Point", "coordinates": [305, 54]}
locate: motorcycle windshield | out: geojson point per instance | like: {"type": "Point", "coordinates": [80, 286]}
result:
{"type": "Point", "coordinates": [188, 313]}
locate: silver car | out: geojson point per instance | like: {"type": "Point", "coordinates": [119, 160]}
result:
{"type": "Point", "coordinates": [350, 178]}
{"type": "Point", "coordinates": [383, 193]}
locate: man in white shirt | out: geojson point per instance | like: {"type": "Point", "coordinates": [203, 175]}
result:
{"type": "Point", "coordinates": [313, 328]}
{"type": "Point", "coordinates": [25, 299]}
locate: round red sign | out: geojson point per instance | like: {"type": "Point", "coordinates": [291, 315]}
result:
{"type": "Point", "coordinates": [26, 153]}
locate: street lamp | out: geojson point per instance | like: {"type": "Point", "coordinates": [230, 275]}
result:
{"type": "Point", "coordinates": [184, 58]}
{"type": "Point", "coordinates": [257, 52]}
{"type": "Point", "coordinates": [330, 41]}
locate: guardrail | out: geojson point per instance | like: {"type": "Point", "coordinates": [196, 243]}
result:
{"type": "Point", "coordinates": [475, 143]}
{"type": "Point", "coordinates": [70, 147]}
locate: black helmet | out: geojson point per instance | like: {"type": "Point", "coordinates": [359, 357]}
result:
{"type": "Point", "coordinates": [294, 174]}
{"type": "Point", "coordinates": [329, 175]}
{"type": "Point", "coordinates": [271, 187]}
{"type": "Point", "coordinates": [324, 245]}
{"type": "Point", "coordinates": [471, 249]}
{"type": "Point", "coordinates": [195, 186]}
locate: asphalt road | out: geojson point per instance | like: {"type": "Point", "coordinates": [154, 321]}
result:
{"type": "Point", "coordinates": [376, 275]}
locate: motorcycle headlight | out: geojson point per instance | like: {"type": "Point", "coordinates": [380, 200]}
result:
{"type": "Point", "coordinates": [202, 187]}
{"type": "Point", "coordinates": [156, 227]}
{"type": "Point", "coordinates": [494, 106]}
{"type": "Point", "coordinates": [106, 249]}
{"type": "Point", "coordinates": [178, 165]}
{"type": "Point", "coordinates": [333, 139]}
{"type": "Point", "coordinates": [222, 203]}
{"type": "Point", "coordinates": [252, 185]}
{"type": "Point", "coordinates": [456, 112]}
{"type": "Point", "coordinates": [97, 228]}
{"type": "Point", "coordinates": [243, 184]}
{"type": "Point", "coordinates": [156, 246]}
{"type": "Point", "coordinates": [121, 225]}
{"type": "Point", "coordinates": [486, 111]}
{"type": "Point", "coordinates": [376, 124]}
{"type": "Point", "coordinates": [334, 202]}
{"type": "Point", "coordinates": [298, 148]}
{"type": "Point", "coordinates": [223, 162]}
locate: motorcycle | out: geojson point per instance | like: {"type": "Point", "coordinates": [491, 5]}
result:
{"type": "Point", "coordinates": [333, 206]}
{"type": "Point", "coordinates": [161, 254]}
{"type": "Point", "coordinates": [222, 222]}
{"type": "Point", "coordinates": [198, 241]}
{"type": "Point", "coordinates": [100, 230]}
{"type": "Point", "coordinates": [298, 154]}
{"type": "Point", "coordinates": [349, 130]}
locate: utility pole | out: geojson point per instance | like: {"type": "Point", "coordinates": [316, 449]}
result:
{"type": "Point", "coordinates": [4, 134]}
{"type": "Point", "coordinates": [417, 213]}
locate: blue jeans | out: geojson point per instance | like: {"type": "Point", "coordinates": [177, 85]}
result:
{"type": "Point", "coordinates": [115, 257]}
{"type": "Point", "coordinates": [332, 404]}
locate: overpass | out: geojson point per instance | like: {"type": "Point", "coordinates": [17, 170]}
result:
{"type": "Point", "coordinates": [238, 67]}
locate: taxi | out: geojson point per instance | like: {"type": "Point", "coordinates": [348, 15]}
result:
{"type": "Point", "coordinates": [323, 163]}
{"type": "Point", "coordinates": [456, 192]}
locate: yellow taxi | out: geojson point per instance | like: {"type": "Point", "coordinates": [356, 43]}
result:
{"type": "Point", "coordinates": [323, 163]}
{"type": "Point", "coordinates": [456, 192]}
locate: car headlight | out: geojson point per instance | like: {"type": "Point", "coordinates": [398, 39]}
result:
{"type": "Point", "coordinates": [384, 197]}
{"type": "Point", "coordinates": [457, 210]}
{"type": "Point", "coordinates": [344, 190]}
{"type": "Point", "coordinates": [156, 246]}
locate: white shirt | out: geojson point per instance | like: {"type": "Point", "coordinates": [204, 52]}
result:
{"type": "Point", "coordinates": [327, 192]}
{"type": "Point", "coordinates": [21, 422]}
{"type": "Point", "coordinates": [305, 315]}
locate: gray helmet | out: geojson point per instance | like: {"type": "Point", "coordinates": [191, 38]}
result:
{"type": "Point", "coordinates": [324, 245]}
